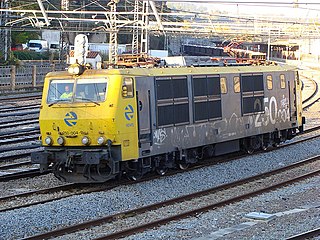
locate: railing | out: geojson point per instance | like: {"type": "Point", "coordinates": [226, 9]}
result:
{"type": "Point", "coordinates": [28, 75]}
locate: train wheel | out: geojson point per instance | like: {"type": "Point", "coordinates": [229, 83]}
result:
{"type": "Point", "coordinates": [162, 171]}
{"type": "Point", "coordinates": [250, 151]}
{"type": "Point", "coordinates": [136, 177]}
{"type": "Point", "coordinates": [183, 166]}
{"type": "Point", "coordinates": [264, 147]}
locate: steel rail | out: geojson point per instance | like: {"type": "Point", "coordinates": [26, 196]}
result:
{"type": "Point", "coordinates": [2, 115]}
{"type": "Point", "coordinates": [24, 147]}
{"type": "Point", "coordinates": [33, 97]}
{"type": "Point", "coordinates": [20, 131]}
{"type": "Point", "coordinates": [15, 120]}
{"type": "Point", "coordinates": [22, 174]}
{"type": "Point", "coordinates": [107, 219]}
{"type": "Point", "coordinates": [19, 123]}
{"type": "Point", "coordinates": [18, 108]}
{"type": "Point", "coordinates": [311, 96]}
{"type": "Point", "coordinates": [26, 137]}
{"type": "Point", "coordinates": [306, 235]}
{"type": "Point", "coordinates": [315, 91]}
{"type": "Point", "coordinates": [14, 165]}
{"type": "Point", "coordinates": [187, 214]}
{"type": "Point", "coordinates": [14, 156]}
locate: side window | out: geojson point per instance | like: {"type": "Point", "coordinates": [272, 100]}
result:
{"type": "Point", "coordinates": [282, 81]}
{"type": "Point", "coordinates": [127, 87]}
{"type": "Point", "coordinates": [172, 100]}
{"type": "Point", "coordinates": [223, 85]}
{"type": "Point", "coordinates": [236, 84]}
{"type": "Point", "coordinates": [269, 82]}
{"type": "Point", "coordinates": [206, 98]}
{"type": "Point", "coordinates": [252, 93]}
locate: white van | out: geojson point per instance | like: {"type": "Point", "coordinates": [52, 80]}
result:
{"type": "Point", "coordinates": [54, 47]}
{"type": "Point", "coordinates": [38, 45]}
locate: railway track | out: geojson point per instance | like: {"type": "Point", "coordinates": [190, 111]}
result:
{"type": "Point", "coordinates": [21, 138]}
{"type": "Point", "coordinates": [19, 108]}
{"type": "Point", "coordinates": [25, 199]}
{"type": "Point", "coordinates": [16, 114]}
{"type": "Point", "coordinates": [17, 123]}
{"type": "Point", "coordinates": [26, 97]}
{"type": "Point", "coordinates": [158, 214]}
{"type": "Point", "coordinates": [6, 176]}
{"type": "Point", "coordinates": [313, 96]}
{"type": "Point", "coordinates": [18, 173]}
{"type": "Point", "coordinates": [20, 132]}
{"type": "Point", "coordinates": [306, 235]}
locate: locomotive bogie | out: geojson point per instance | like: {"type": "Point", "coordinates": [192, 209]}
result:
{"type": "Point", "coordinates": [160, 118]}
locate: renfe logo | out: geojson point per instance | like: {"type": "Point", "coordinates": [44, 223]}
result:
{"type": "Point", "coordinates": [71, 119]}
{"type": "Point", "coordinates": [129, 112]}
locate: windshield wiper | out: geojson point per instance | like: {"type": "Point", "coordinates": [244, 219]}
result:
{"type": "Point", "coordinates": [58, 100]}
{"type": "Point", "coordinates": [87, 99]}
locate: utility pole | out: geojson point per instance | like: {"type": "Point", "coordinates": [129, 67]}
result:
{"type": "Point", "coordinates": [113, 41]}
{"type": "Point", "coordinates": [144, 34]}
{"type": "Point", "coordinates": [135, 33]}
{"type": "Point", "coordinates": [64, 38]}
{"type": "Point", "coordinates": [5, 33]}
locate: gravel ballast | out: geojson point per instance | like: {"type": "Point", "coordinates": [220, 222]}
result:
{"type": "Point", "coordinates": [38, 219]}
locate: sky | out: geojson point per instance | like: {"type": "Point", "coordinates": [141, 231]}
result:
{"type": "Point", "coordinates": [305, 9]}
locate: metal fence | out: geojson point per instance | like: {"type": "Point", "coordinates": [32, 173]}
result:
{"type": "Point", "coordinates": [28, 75]}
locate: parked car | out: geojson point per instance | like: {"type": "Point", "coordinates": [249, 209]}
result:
{"type": "Point", "coordinates": [19, 47]}
{"type": "Point", "coordinates": [38, 45]}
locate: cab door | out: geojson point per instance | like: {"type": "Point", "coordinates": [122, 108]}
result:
{"type": "Point", "coordinates": [143, 94]}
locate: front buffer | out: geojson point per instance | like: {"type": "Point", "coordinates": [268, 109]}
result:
{"type": "Point", "coordinates": [79, 165]}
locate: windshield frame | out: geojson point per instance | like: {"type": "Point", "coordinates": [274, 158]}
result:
{"type": "Point", "coordinates": [97, 88]}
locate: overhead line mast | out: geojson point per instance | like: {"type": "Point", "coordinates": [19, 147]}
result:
{"type": "Point", "coordinates": [5, 33]}
{"type": "Point", "coordinates": [135, 32]}
{"type": "Point", "coordinates": [113, 41]}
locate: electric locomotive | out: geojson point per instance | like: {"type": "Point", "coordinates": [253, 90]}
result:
{"type": "Point", "coordinates": [136, 120]}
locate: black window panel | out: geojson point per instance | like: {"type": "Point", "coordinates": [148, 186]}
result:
{"type": "Point", "coordinates": [247, 84]}
{"type": "Point", "coordinates": [199, 86]}
{"type": "Point", "coordinates": [214, 86]}
{"type": "Point", "coordinates": [200, 111]}
{"type": "Point", "coordinates": [258, 104]}
{"type": "Point", "coordinates": [253, 104]}
{"type": "Point", "coordinates": [258, 82]}
{"type": "Point", "coordinates": [214, 109]}
{"type": "Point", "coordinates": [164, 89]}
{"type": "Point", "coordinates": [248, 105]}
{"type": "Point", "coordinates": [165, 115]}
{"type": "Point", "coordinates": [181, 113]}
{"type": "Point", "coordinates": [180, 87]}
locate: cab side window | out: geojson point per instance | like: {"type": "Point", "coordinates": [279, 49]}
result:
{"type": "Point", "coordinates": [127, 87]}
{"type": "Point", "coordinates": [282, 81]}
{"type": "Point", "coordinates": [223, 85]}
{"type": "Point", "coordinates": [269, 82]}
{"type": "Point", "coordinates": [236, 84]}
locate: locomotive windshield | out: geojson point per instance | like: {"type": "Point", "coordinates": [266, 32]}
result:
{"type": "Point", "coordinates": [81, 90]}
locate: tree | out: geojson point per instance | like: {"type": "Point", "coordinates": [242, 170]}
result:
{"type": "Point", "coordinates": [23, 37]}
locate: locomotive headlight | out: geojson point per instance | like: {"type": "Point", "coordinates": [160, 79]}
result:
{"type": "Point", "coordinates": [61, 140]}
{"type": "Point", "coordinates": [75, 69]}
{"type": "Point", "coordinates": [101, 140]}
{"type": "Point", "coordinates": [70, 70]}
{"type": "Point", "coordinates": [48, 140]}
{"type": "Point", "coordinates": [85, 140]}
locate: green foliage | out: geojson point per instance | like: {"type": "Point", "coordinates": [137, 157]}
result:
{"type": "Point", "coordinates": [17, 4]}
{"type": "Point", "coordinates": [23, 37]}
{"type": "Point", "coordinates": [29, 55]}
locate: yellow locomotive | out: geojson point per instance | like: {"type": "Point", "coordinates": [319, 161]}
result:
{"type": "Point", "coordinates": [99, 124]}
